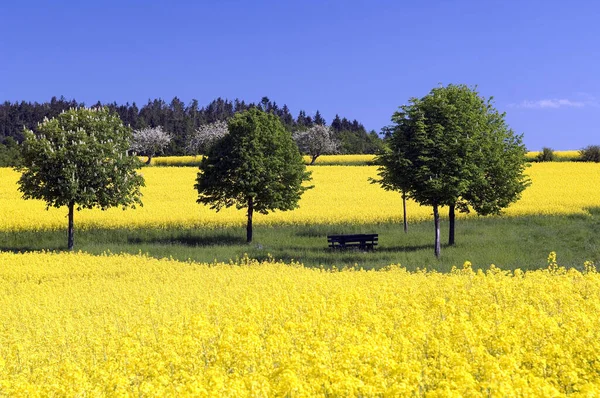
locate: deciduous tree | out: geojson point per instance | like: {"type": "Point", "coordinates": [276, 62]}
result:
{"type": "Point", "coordinates": [590, 153]}
{"type": "Point", "coordinates": [316, 141]}
{"type": "Point", "coordinates": [392, 175]}
{"type": "Point", "coordinates": [150, 141]}
{"type": "Point", "coordinates": [79, 159]}
{"type": "Point", "coordinates": [256, 166]}
{"type": "Point", "coordinates": [206, 136]}
{"type": "Point", "coordinates": [453, 148]}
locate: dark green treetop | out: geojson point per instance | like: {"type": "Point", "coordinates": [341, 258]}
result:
{"type": "Point", "coordinates": [256, 166]}
{"type": "Point", "coordinates": [453, 148]}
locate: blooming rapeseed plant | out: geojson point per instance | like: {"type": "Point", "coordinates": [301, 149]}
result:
{"type": "Point", "coordinates": [321, 160]}
{"type": "Point", "coordinates": [341, 194]}
{"type": "Point", "coordinates": [74, 324]}
{"type": "Point", "coordinates": [559, 155]}
{"type": "Point", "coordinates": [328, 159]}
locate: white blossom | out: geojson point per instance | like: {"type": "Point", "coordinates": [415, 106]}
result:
{"type": "Point", "coordinates": [316, 141]}
{"type": "Point", "coordinates": [150, 141]}
{"type": "Point", "coordinates": [206, 136]}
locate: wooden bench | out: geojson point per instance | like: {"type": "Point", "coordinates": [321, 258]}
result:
{"type": "Point", "coordinates": [360, 241]}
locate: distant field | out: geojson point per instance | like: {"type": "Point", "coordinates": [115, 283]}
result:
{"type": "Point", "coordinates": [331, 160]}
{"type": "Point", "coordinates": [324, 160]}
{"type": "Point", "coordinates": [341, 194]}
{"type": "Point", "coordinates": [561, 156]}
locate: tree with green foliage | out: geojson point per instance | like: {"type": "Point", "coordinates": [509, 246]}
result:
{"type": "Point", "coordinates": [546, 155]}
{"type": "Point", "coordinates": [318, 119]}
{"type": "Point", "coordinates": [392, 176]}
{"type": "Point", "coordinates": [453, 148]}
{"type": "Point", "coordinates": [590, 153]}
{"type": "Point", "coordinates": [256, 166]}
{"type": "Point", "coordinates": [10, 153]}
{"type": "Point", "coordinates": [79, 159]}
{"type": "Point", "coordinates": [500, 162]}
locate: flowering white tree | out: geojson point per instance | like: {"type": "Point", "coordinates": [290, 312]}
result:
{"type": "Point", "coordinates": [149, 141]}
{"type": "Point", "coordinates": [205, 136]}
{"type": "Point", "coordinates": [316, 141]}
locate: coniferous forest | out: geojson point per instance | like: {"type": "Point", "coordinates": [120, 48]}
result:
{"type": "Point", "coordinates": [177, 118]}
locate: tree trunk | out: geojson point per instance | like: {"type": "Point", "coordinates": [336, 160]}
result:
{"type": "Point", "coordinates": [404, 211]}
{"type": "Point", "coordinates": [249, 225]}
{"type": "Point", "coordinates": [436, 221]}
{"type": "Point", "coordinates": [451, 219]}
{"type": "Point", "coordinates": [314, 159]}
{"type": "Point", "coordinates": [149, 159]}
{"type": "Point", "coordinates": [70, 229]}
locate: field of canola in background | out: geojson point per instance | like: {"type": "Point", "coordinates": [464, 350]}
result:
{"type": "Point", "coordinates": [331, 160]}
{"type": "Point", "coordinates": [341, 194]}
{"type": "Point", "coordinates": [73, 324]}
{"type": "Point", "coordinates": [327, 160]}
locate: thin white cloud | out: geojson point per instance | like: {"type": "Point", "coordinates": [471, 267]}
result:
{"type": "Point", "coordinates": [550, 103]}
{"type": "Point", "coordinates": [584, 100]}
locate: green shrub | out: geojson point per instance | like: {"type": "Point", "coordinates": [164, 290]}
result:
{"type": "Point", "coordinates": [590, 153]}
{"type": "Point", "coordinates": [546, 155]}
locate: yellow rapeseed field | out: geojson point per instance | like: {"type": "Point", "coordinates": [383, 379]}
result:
{"type": "Point", "coordinates": [560, 155]}
{"type": "Point", "coordinates": [340, 194]}
{"type": "Point", "coordinates": [174, 160]}
{"type": "Point", "coordinates": [328, 159]}
{"type": "Point", "coordinates": [73, 324]}
{"type": "Point", "coordinates": [321, 160]}
{"type": "Point", "coordinates": [341, 159]}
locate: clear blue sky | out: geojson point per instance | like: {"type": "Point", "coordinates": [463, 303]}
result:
{"type": "Point", "coordinates": [362, 59]}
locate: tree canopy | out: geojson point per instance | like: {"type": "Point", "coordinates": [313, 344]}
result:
{"type": "Point", "coordinates": [256, 166]}
{"type": "Point", "coordinates": [79, 159]}
{"type": "Point", "coordinates": [206, 136]}
{"type": "Point", "coordinates": [316, 141]}
{"type": "Point", "coordinates": [453, 148]}
{"type": "Point", "coordinates": [150, 141]}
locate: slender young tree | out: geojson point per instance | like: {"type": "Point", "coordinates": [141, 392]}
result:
{"type": "Point", "coordinates": [392, 175]}
{"type": "Point", "coordinates": [256, 166]}
{"type": "Point", "coordinates": [79, 159]}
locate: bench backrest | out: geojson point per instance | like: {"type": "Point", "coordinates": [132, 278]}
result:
{"type": "Point", "coordinates": [352, 238]}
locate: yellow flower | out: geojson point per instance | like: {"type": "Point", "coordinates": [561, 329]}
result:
{"type": "Point", "coordinates": [341, 194]}
{"type": "Point", "coordinates": [272, 329]}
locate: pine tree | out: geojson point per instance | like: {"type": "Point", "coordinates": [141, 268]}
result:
{"type": "Point", "coordinates": [318, 119]}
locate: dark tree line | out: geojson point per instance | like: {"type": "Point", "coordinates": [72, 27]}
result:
{"type": "Point", "coordinates": [354, 138]}
{"type": "Point", "coordinates": [180, 120]}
